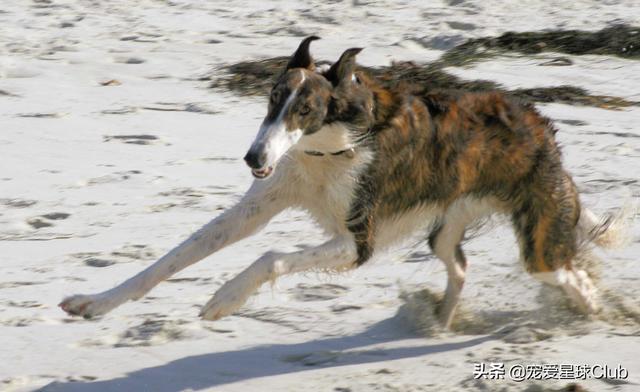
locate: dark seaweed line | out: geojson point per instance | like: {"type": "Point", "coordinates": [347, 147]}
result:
{"type": "Point", "coordinates": [619, 40]}
{"type": "Point", "coordinates": [256, 77]}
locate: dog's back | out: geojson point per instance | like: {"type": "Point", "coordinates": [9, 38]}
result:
{"type": "Point", "coordinates": [460, 152]}
{"type": "Point", "coordinates": [442, 147]}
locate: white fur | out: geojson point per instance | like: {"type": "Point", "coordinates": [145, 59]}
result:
{"type": "Point", "coordinates": [274, 137]}
{"type": "Point", "coordinates": [336, 254]}
{"type": "Point", "coordinates": [401, 227]}
{"type": "Point", "coordinates": [255, 209]}
{"type": "Point", "coordinates": [577, 285]}
{"type": "Point", "coordinates": [330, 138]}
{"type": "Point", "coordinates": [611, 234]}
{"type": "Point", "coordinates": [454, 221]}
{"type": "Point", "coordinates": [325, 185]}
{"type": "Point", "coordinates": [459, 215]}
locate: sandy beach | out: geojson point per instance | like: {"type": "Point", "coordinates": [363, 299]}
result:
{"type": "Point", "coordinates": [114, 148]}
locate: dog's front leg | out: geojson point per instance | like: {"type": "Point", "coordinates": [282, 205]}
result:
{"type": "Point", "coordinates": [255, 209]}
{"type": "Point", "coordinates": [337, 254]}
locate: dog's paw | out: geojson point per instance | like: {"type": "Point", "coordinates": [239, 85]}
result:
{"type": "Point", "coordinates": [224, 302]}
{"type": "Point", "coordinates": [87, 306]}
{"type": "Point", "coordinates": [589, 293]}
{"type": "Point", "coordinates": [583, 292]}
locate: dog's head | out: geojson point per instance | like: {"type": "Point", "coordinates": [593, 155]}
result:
{"type": "Point", "coordinates": [302, 101]}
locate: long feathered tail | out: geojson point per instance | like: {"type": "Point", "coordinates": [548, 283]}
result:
{"type": "Point", "coordinates": [609, 231]}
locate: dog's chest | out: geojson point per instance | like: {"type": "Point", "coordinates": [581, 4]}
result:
{"type": "Point", "coordinates": [327, 193]}
{"type": "Point", "coordinates": [326, 186]}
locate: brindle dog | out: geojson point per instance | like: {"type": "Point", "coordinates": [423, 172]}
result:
{"type": "Point", "coordinates": [372, 165]}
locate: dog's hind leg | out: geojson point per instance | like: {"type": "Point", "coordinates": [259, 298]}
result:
{"type": "Point", "coordinates": [336, 254]}
{"type": "Point", "coordinates": [445, 243]}
{"type": "Point", "coordinates": [256, 208]}
{"type": "Point", "coordinates": [546, 225]}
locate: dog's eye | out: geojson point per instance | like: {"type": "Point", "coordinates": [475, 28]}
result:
{"type": "Point", "coordinates": [304, 110]}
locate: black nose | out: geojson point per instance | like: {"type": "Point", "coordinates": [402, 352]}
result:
{"type": "Point", "coordinates": [255, 159]}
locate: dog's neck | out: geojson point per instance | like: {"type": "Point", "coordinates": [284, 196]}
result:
{"type": "Point", "coordinates": [331, 139]}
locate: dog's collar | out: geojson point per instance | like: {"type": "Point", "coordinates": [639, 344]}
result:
{"type": "Point", "coordinates": [349, 153]}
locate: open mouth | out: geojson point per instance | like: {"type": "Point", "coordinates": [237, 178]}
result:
{"type": "Point", "coordinates": [262, 173]}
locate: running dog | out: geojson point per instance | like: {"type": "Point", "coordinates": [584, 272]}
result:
{"type": "Point", "coordinates": [372, 165]}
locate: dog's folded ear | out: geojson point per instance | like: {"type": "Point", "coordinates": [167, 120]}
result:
{"type": "Point", "coordinates": [343, 69]}
{"type": "Point", "coordinates": [301, 58]}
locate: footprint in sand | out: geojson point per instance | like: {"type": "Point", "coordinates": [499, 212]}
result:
{"type": "Point", "coordinates": [41, 115]}
{"type": "Point", "coordinates": [110, 82]}
{"type": "Point", "coordinates": [312, 359]}
{"type": "Point", "coordinates": [344, 308]}
{"type": "Point", "coordinates": [575, 123]}
{"type": "Point", "coordinates": [461, 25]}
{"type": "Point", "coordinates": [56, 215]}
{"type": "Point", "coordinates": [19, 72]}
{"type": "Point", "coordinates": [153, 331]}
{"type": "Point", "coordinates": [19, 322]}
{"type": "Point", "coordinates": [23, 304]}
{"type": "Point", "coordinates": [191, 107]}
{"type": "Point", "coordinates": [99, 263]}
{"type": "Point", "coordinates": [321, 292]}
{"type": "Point", "coordinates": [197, 193]}
{"type": "Point", "coordinates": [38, 223]}
{"type": "Point", "coordinates": [292, 319]}
{"type": "Point", "coordinates": [183, 192]}
{"type": "Point", "coordinates": [111, 178]}
{"type": "Point", "coordinates": [5, 93]}
{"type": "Point", "coordinates": [190, 197]}
{"type": "Point", "coordinates": [129, 60]}
{"type": "Point", "coordinates": [220, 159]}
{"type": "Point", "coordinates": [123, 110]}
{"type": "Point", "coordinates": [135, 252]}
{"type": "Point", "coordinates": [132, 139]}
{"type": "Point", "coordinates": [11, 285]}
{"type": "Point", "coordinates": [17, 203]}
{"type": "Point", "coordinates": [41, 221]}
{"type": "Point", "coordinates": [126, 254]}
{"type": "Point", "coordinates": [196, 281]}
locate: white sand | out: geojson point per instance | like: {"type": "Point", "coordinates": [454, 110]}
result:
{"type": "Point", "coordinates": [128, 203]}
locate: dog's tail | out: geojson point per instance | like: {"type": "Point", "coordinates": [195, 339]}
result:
{"type": "Point", "coordinates": [609, 231]}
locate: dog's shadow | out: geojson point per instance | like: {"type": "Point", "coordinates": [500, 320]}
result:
{"type": "Point", "coordinates": [203, 371]}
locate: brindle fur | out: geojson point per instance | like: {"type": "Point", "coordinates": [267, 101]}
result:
{"type": "Point", "coordinates": [443, 146]}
